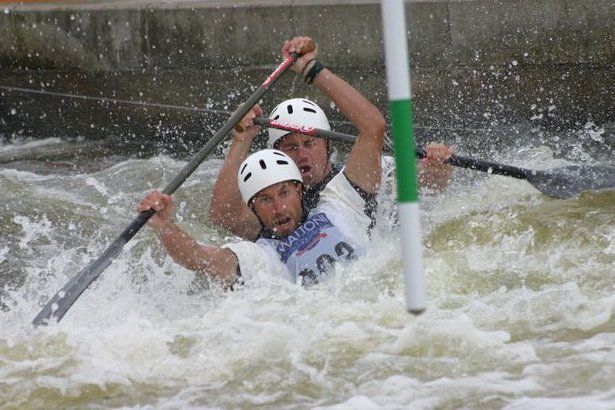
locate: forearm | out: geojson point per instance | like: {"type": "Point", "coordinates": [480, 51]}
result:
{"type": "Point", "coordinates": [434, 173]}
{"type": "Point", "coordinates": [227, 209]}
{"type": "Point", "coordinates": [362, 113]}
{"type": "Point", "coordinates": [363, 166]}
{"type": "Point", "coordinates": [180, 246]}
{"type": "Point", "coordinates": [434, 176]}
{"type": "Point", "coordinates": [220, 263]}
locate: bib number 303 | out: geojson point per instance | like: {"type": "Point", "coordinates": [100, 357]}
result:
{"type": "Point", "coordinates": [324, 262]}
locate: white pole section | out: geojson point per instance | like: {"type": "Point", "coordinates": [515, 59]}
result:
{"type": "Point", "coordinates": [400, 107]}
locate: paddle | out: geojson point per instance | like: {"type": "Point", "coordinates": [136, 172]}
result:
{"type": "Point", "coordinates": [563, 182]}
{"type": "Point", "coordinates": [59, 304]}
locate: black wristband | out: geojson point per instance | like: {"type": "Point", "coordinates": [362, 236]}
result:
{"type": "Point", "coordinates": [314, 71]}
{"type": "Point", "coordinates": [305, 66]}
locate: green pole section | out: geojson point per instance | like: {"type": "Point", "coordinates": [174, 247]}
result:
{"type": "Point", "coordinates": [403, 139]}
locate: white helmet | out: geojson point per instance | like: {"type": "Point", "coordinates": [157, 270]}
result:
{"type": "Point", "coordinates": [263, 169]}
{"type": "Point", "coordinates": [297, 111]}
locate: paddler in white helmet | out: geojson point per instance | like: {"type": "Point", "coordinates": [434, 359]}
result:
{"type": "Point", "coordinates": [298, 245]}
{"type": "Point", "coordinates": [311, 154]}
{"type": "Point", "coordinates": [287, 239]}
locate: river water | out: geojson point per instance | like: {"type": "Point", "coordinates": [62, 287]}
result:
{"type": "Point", "coordinates": [520, 299]}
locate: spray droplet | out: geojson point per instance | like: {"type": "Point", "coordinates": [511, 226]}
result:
{"type": "Point", "coordinates": [13, 111]}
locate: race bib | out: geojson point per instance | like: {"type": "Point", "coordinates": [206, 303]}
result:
{"type": "Point", "coordinates": [311, 250]}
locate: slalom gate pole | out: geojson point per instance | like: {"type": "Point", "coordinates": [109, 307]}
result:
{"type": "Point", "coordinates": [400, 106]}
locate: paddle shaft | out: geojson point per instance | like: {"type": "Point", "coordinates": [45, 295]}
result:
{"type": "Point", "coordinates": [61, 302]}
{"type": "Point", "coordinates": [482, 165]}
{"type": "Point", "coordinates": [455, 160]}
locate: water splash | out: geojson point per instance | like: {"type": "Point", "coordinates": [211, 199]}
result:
{"type": "Point", "coordinates": [520, 304]}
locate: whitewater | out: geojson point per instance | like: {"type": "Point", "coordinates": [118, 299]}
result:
{"type": "Point", "coordinates": [520, 292]}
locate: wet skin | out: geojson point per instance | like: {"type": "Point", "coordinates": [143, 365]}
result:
{"type": "Point", "coordinates": [279, 207]}
{"type": "Point", "coordinates": [310, 155]}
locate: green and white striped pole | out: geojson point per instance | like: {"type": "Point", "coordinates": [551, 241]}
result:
{"type": "Point", "coordinates": [400, 106]}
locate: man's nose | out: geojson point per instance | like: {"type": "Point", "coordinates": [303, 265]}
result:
{"type": "Point", "coordinates": [302, 154]}
{"type": "Point", "coordinates": [277, 206]}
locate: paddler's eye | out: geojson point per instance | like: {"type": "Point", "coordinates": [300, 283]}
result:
{"type": "Point", "coordinates": [263, 200]}
{"type": "Point", "coordinates": [290, 148]}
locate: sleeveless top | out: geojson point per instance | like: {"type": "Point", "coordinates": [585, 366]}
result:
{"type": "Point", "coordinates": [311, 195]}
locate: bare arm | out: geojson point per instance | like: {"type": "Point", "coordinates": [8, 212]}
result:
{"type": "Point", "coordinates": [433, 172]}
{"type": "Point", "coordinates": [363, 166]}
{"type": "Point", "coordinates": [227, 209]}
{"type": "Point", "coordinates": [220, 263]}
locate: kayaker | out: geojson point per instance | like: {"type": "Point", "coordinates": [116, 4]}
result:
{"type": "Point", "coordinates": [294, 243]}
{"type": "Point", "coordinates": [311, 154]}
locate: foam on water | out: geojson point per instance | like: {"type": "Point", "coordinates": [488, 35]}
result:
{"type": "Point", "coordinates": [22, 144]}
{"type": "Point", "coordinates": [520, 314]}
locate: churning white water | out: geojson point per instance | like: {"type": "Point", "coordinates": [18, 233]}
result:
{"type": "Point", "coordinates": [520, 315]}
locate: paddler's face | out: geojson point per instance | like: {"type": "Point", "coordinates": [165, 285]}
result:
{"type": "Point", "coordinates": [279, 207]}
{"type": "Point", "coordinates": [310, 155]}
